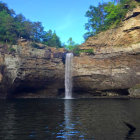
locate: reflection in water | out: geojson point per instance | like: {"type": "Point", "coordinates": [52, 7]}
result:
{"type": "Point", "coordinates": [131, 130]}
{"type": "Point", "coordinates": [71, 121]}
{"type": "Point", "coordinates": [67, 116]}
{"type": "Point", "coordinates": [8, 122]}
{"type": "Point", "coordinates": [99, 119]}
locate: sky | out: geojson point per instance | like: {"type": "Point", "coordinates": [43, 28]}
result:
{"type": "Point", "coordinates": [65, 17]}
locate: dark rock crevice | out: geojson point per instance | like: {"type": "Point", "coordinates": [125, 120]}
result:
{"type": "Point", "coordinates": [132, 15]}
{"type": "Point", "coordinates": [131, 29]}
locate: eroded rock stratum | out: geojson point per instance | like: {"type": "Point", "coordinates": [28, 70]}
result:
{"type": "Point", "coordinates": [31, 70]}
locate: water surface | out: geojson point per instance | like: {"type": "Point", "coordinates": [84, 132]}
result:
{"type": "Point", "coordinates": [45, 119]}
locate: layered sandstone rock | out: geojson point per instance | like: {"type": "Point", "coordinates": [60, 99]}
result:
{"type": "Point", "coordinates": [29, 70]}
{"type": "Point", "coordinates": [115, 65]}
{"type": "Point", "coordinates": [109, 71]}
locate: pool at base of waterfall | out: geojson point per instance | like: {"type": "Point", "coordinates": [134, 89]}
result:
{"type": "Point", "coordinates": [45, 119]}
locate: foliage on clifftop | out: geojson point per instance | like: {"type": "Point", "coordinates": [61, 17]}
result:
{"type": "Point", "coordinates": [13, 27]}
{"type": "Point", "coordinates": [107, 15]}
{"type": "Point", "coordinates": [76, 49]}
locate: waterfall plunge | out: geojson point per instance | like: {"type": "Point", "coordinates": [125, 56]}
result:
{"type": "Point", "coordinates": [68, 76]}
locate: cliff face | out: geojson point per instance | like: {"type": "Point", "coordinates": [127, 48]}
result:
{"type": "Point", "coordinates": [114, 68]}
{"type": "Point", "coordinates": [117, 71]}
{"type": "Point", "coordinates": [30, 70]}
{"type": "Point", "coordinates": [115, 65]}
{"type": "Point", "coordinates": [128, 33]}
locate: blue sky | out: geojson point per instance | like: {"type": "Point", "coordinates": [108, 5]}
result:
{"type": "Point", "coordinates": [66, 17]}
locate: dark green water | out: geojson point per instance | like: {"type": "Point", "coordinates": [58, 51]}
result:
{"type": "Point", "coordinates": [79, 119]}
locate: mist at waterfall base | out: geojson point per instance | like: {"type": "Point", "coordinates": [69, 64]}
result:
{"type": "Point", "coordinates": [68, 75]}
{"type": "Point", "coordinates": [80, 119]}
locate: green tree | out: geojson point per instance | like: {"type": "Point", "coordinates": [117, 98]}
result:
{"type": "Point", "coordinates": [20, 27]}
{"type": "Point", "coordinates": [3, 6]}
{"type": "Point", "coordinates": [28, 30]}
{"type": "Point", "coordinates": [107, 15]}
{"type": "Point", "coordinates": [47, 37]}
{"type": "Point", "coordinates": [7, 28]}
{"type": "Point", "coordinates": [14, 26]}
{"type": "Point", "coordinates": [71, 44]}
{"type": "Point", "coordinates": [51, 39]}
{"type": "Point", "coordinates": [115, 13]}
{"type": "Point", "coordinates": [37, 31]}
{"type": "Point", "coordinates": [56, 41]}
{"type": "Point", "coordinates": [96, 18]}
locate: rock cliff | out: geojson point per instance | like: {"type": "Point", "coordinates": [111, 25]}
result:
{"type": "Point", "coordinates": [29, 70]}
{"type": "Point", "coordinates": [113, 69]}
{"type": "Point", "coordinates": [115, 65]}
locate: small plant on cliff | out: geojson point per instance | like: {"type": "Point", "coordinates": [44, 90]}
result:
{"type": "Point", "coordinates": [11, 50]}
{"type": "Point", "coordinates": [72, 47]}
{"type": "Point", "coordinates": [88, 51]}
{"type": "Point", "coordinates": [71, 44]}
{"type": "Point", "coordinates": [75, 49]}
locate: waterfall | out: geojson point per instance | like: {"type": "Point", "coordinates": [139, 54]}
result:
{"type": "Point", "coordinates": [68, 76]}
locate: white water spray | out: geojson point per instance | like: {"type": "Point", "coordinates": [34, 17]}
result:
{"type": "Point", "coordinates": [68, 75]}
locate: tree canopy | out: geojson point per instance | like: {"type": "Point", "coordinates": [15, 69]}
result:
{"type": "Point", "coordinates": [106, 15]}
{"type": "Point", "coordinates": [13, 27]}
